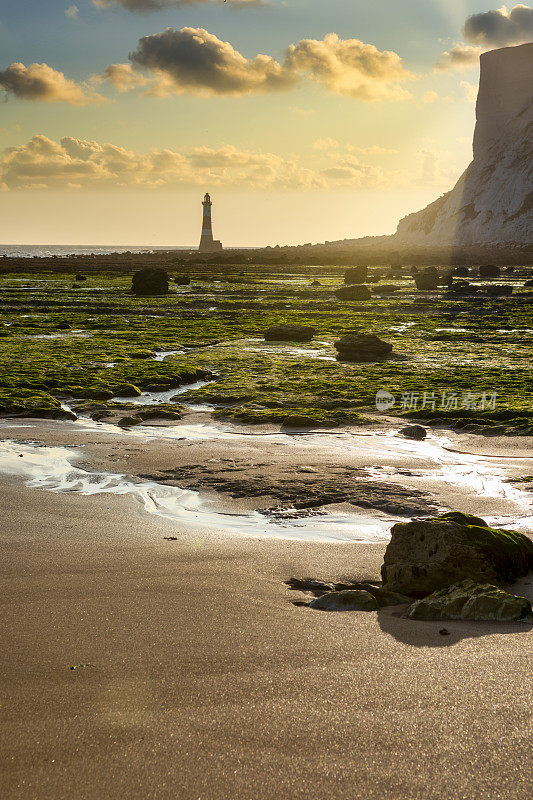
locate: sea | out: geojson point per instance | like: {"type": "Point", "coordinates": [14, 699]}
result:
{"type": "Point", "coordinates": [62, 251]}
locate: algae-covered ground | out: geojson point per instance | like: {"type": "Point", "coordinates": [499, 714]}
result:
{"type": "Point", "coordinates": [461, 362]}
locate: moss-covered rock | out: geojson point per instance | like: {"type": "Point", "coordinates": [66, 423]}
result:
{"type": "Point", "coordinates": [426, 555]}
{"type": "Point", "coordinates": [469, 600]}
{"type": "Point", "coordinates": [349, 600]}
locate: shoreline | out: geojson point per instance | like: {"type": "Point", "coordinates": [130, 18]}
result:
{"type": "Point", "coordinates": [196, 670]}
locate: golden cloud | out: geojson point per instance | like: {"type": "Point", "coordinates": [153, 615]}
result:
{"type": "Point", "coordinates": [41, 82]}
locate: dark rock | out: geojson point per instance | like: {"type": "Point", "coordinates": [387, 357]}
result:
{"type": "Point", "coordinates": [358, 292]}
{"type": "Point", "coordinates": [309, 585]}
{"type": "Point", "coordinates": [489, 271]}
{"type": "Point", "coordinates": [469, 600]}
{"type": "Point", "coordinates": [426, 555]}
{"type": "Point", "coordinates": [79, 277]}
{"type": "Point", "coordinates": [463, 272]}
{"type": "Point", "coordinates": [356, 275]}
{"type": "Point", "coordinates": [150, 281]}
{"type": "Point", "coordinates": [362, 347]}
{"type": "Point", "coordinates": [382, 597]}
{"type": "Point", "coordinates": [316, 283]}
{"type": "Point", "coordinates": [463, 287]}
{"type": "Point", "coordinates": [427, 279]}
{"type": "Point", "coordinates": [182, 280]}
{"type": "Point", "coordinates": [63, 326]}
{"type": "Point", "coordinates": [386, 288]}
{"type": "Point", "coordinates": [444, 632]}
{"type": "Point", "coordinates": [529, 282]}
{"type": "Point", "coordinates": [289, 333]}
{"type": "Point", "coordinates": [416, 432]}
{"type": "Point", "coordinates": [351, 600]}
{"type": "Point", "coordinates": [498, 290]}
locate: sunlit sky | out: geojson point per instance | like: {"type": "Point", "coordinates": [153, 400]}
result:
{"type": "Point", "coordinates": [307, 120]}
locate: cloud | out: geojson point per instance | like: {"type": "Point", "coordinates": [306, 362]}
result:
{"type": "Point", "coordinates": [349, 67]}
{"type": "Point", "coordinates": [460, 56]}
{"type": "Point", "coordinates": [500, 28]}
{"type": "Point", "coordinates": [194, 61]}
{"type": "Point", "coordinates": [72, 163]}
{"type": "Point", "coordinates": [41, 82]}
{"type": "Point", "coordinates": [326, 144]}
{"type": "Point", "coordinates": [471, 90]}
{"type": "Point", "coordinates": [44, 163]}
{"type": "Point", "coordinates": [145, 6]}
{"type": "Point", "coordinates": [122, 77]}
{"type": "Point", "coordinates": [72, 11]}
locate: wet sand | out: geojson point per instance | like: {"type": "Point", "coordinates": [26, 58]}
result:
{"type": "Point", "coordinates": [205, 681]}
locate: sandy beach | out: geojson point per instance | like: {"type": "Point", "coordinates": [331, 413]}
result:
{"type": "Point", "coordinates": [197, 677]}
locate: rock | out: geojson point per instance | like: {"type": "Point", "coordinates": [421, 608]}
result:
{"type": "Point", "coordinates": [426, 555]}
{"type": "Point", "coordinates": [427, 279]}
{"type": "Point", "coordinates": [462, 287]}
{"type": "Point", "coordinates": [358, 292]}
{"type": "Point", "coordinates": [63, 326]}
{"type": "Point", "coordinates": [316, 283]}
{"type": "Point", "coordinates": [386, 288]}
{"type": "Point", "coordinates": [150, 281]}
{"type": "Point", "coordinates": [182, 280]}
{"type": "Point", "coordinates": [382, 597]}
{"type": "Point", "coordinates": [416, 432]}
{"type": "Point", "coordinates": [529, 282]}
{"type": "Point", "coordinates": [362, 347]}
{"type": "Point", "coordinates": [289, 333]}
{"type": "Point", "coordinates": [309, 585]}
{"type": "Point", "coordinates": [79, 277]}
{"type": "Point", "coordinates": [469, 600]}
{"type": "Point", "coordinates": [498, 290]}
{"type": "Point", "coordinates": [463, 519]}
{"type": "Point", "coordinates": [356, 275]}
{"type": "Point", "coordinates": [462, 272]}
{"type": "Point", "coordinates": [351, 600]}
{"type": "Point", "coordinates": [489, 271]}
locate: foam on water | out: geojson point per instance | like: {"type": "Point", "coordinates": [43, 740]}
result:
{"type": "Point", "coordinates": [52, 469]}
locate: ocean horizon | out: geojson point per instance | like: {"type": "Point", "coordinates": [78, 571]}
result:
{"type": "Point", "coordinates": [65, 250]}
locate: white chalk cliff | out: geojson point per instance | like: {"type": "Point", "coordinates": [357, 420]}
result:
{"type": "Point", "coordinates": [492, 202]}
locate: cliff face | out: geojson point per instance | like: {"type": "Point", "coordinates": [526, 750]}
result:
{"type": "Point", "coordinates": [492, 203]}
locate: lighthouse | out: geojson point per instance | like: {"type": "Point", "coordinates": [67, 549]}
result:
{"type": "Point", "coordinates": [207, 243]}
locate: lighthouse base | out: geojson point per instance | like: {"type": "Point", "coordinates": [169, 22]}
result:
{"type": "Point", "coordinates": [209, 245]}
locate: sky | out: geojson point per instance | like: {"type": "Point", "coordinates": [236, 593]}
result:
{"type": "Point", "coordinates": [306, 120]}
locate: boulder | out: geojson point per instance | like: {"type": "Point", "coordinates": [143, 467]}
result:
{"type": "Point", "coordinates": [462, 272]}
{"type": "Point", "coordinates": [498, 290]}
{"type": "Point", "coordinates": [362, 347]}
{"type": "Point", "coordinates": [79, 277]}
{"type": "Point", "coordinates": [289, 333]}
{"type": "Point", "coordinates": [150, 281]}
{"type": "Point", "coordinates": [316, 283]}
{"type": "Point", "coordinates": [462, 287]}
{"type": "Point", "coordinates": [385, 288]}
{"type": "Point", "coordinates": [469, 600]}
{"type": "Point", "coordinates": [358, 292]}
{"type": "Point", "coordinates": [350, 600]}
{"type": "Point", "coordinates": [427, 279]}
{"type": "Point", "coordinates": [528, 282]}
{"type": "Point", "coordinates": [356, 275]}
{"type": "Point", "coordinates": [416, 432]}
{"type": "Point", "coordinates": [426, 555]}
{"type": "Point", "coordinates": [489, 271]}
{"type": "Point", "coordinates": [182, 280]}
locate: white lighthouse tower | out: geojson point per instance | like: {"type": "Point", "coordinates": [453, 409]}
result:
{"type": "Point", "coordinates": [207, 243]}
